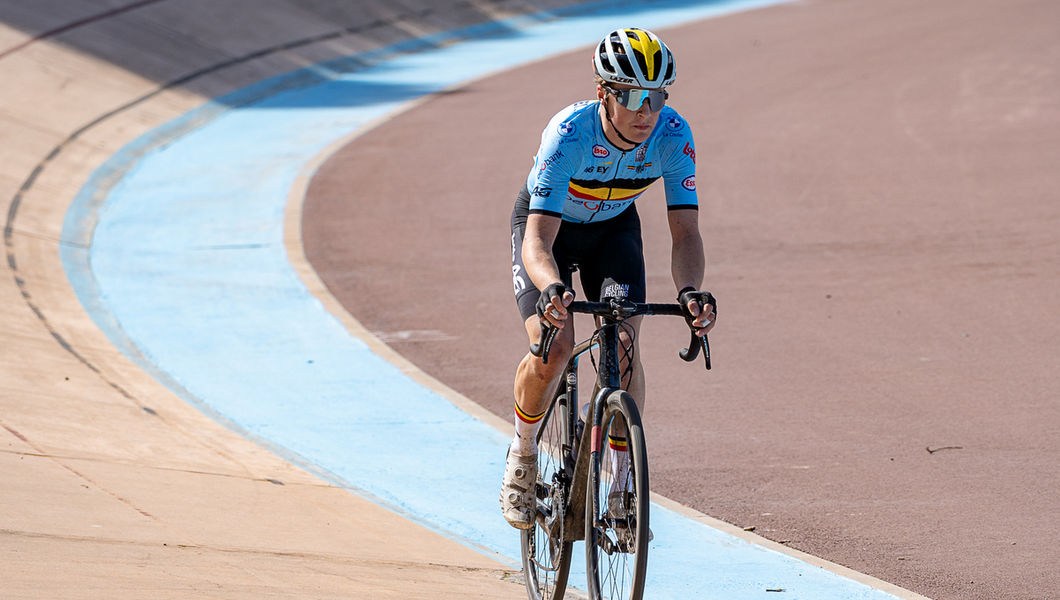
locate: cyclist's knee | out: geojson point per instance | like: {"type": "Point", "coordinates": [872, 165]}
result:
{"type": "Point", "coordinates": [563, 344]}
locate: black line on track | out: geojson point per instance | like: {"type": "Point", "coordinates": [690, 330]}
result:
{"type": "Point", "coordinates": [75, 24]}
{"type": "Point", "coordinates": [16, 201]}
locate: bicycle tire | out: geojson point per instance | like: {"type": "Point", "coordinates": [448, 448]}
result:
{"type": "Point", "coordinates": [616, 548]}
{"type": "Point", "coordinates": [546, 557]}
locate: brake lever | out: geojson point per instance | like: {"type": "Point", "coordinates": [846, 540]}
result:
{"type": "Point", "coordinates": [548, 335]}
{"type": "Point", "coordinates": [696, 344]}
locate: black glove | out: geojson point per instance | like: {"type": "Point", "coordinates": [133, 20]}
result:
{"type": "Point", "coordinates": [544, 302]}
{"type": "Point", "coordinates": [702, 298]}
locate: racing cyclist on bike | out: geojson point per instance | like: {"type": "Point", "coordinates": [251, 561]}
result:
{"type": "Point", "coordinates": [596, 158]}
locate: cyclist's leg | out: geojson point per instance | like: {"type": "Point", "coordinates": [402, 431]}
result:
{"type": "Point", "coordinates": [535, 384]}
{"type": "Point", "coordinates": [535, 381]}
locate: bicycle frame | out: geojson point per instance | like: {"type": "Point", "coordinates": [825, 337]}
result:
{"type": "Point", "coordinates": [608, 379]}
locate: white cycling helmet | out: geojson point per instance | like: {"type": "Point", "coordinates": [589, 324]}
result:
{"type": "Point", "coordinates": [635, 57]}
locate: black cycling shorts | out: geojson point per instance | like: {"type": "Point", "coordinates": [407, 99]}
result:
{"type": "Point", "coordinates": [610, 248]}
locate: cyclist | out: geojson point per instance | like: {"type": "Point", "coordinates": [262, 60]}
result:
{"type": "Point", "coordinates": [596, 158]}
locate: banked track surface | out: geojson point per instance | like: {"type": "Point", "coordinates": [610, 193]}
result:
{"type": "Point", "coordinates": [115, 487]}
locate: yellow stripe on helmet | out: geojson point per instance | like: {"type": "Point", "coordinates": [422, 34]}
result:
{"type": "Point", "coordinates": [641, 42]}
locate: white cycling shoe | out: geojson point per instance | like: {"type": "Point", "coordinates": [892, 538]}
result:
{"type": "Point", "coordinates": [518, 491]}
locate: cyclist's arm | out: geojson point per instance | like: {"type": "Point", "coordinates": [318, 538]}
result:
{"type": "Point", "coordinates": [687, 262]}
{"type": "Point", "coordinates": [686, 251]}
{"type": "Point", "coordinates": [686, 259]}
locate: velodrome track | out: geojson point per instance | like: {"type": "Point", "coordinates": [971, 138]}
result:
{"type": "Point", "coordinates": [113, 486]}
{"type": "Point", "coordinates": [153, 469]}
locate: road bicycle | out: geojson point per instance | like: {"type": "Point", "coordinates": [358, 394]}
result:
{"type": "Point", "coordinates": [593, 480]}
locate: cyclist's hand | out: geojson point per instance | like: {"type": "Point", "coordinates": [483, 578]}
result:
{"type": "Point", "coordinates": [553, 303]}
{"type": "Point", "coordinates": [701, 307]}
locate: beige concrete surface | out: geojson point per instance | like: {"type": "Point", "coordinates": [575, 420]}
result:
{"type": "Point", "coordinates": [110, 485]}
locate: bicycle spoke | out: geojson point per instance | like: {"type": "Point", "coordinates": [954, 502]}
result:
{"type": "Point", "coordinates": [618, 556]}
{"type": "Point", "coordinates": [546, 557]}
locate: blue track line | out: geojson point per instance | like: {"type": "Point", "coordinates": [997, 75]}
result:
{"type": "Point", "coordinates": [176, 248]}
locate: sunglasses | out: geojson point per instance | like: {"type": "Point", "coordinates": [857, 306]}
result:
{"type": "Point", "coordinates": [632, 99]}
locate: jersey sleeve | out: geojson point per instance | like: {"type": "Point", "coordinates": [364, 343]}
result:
{"type": "Point", "coordinates": [553, 168]}
{"type": "Point", "coordinates": [679, 173]}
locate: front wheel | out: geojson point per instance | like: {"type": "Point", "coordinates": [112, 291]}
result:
{"type": "Point", "coordinates": [546, 557]}
{"type": "Point", "coordinates": [617, 503]}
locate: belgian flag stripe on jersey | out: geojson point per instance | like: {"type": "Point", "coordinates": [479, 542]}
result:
{"type": "Point", "coordinates": [616, 189]}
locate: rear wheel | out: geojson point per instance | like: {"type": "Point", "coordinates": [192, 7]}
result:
{"type": "Point", "coordinates": [617, 503]}
{"type": "Point", "coordinates": [546, 557]}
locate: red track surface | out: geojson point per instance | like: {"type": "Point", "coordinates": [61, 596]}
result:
{"type": "Point", "coordinates": [879, 187]}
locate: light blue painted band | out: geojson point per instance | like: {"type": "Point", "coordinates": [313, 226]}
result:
{"type": "Point", "coordinates": [176, 248]}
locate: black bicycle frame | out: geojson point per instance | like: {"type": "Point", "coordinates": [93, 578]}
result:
{"type": "Point", "coordinates": [608, 379]}
{"type": "Point", "coordinates": [611, 313]}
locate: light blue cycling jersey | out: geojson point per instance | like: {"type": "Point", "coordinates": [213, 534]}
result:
{"type": "Point", "coordinates": [579, 175]}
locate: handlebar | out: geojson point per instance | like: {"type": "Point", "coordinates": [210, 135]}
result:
{"type": "Point", "coordinates": [623, 309]}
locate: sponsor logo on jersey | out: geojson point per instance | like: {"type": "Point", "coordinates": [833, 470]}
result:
{"type": "Point", "coordinates": [565, 128]}
{"type": "Point", "coordinates": [639, 168]}
{"type": "Point", "coordinates": [541, 191]}
{"type": "Point", "coordinates": [550, 159]}
{"type": "Point", "coordinates": [674, 123]}
{"type": "Point", "coordinates": [689, 183]}
{"type": "Point", "coordinates": [600, 152]}
{"type": "Point", "coordinates": [599, 205]}
{"type": "Point", "coordinates": [690, 151]}
{"type": "Point", "coordinates": [642, 152]}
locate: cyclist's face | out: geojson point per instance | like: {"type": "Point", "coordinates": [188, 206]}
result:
{"type": "Point", "coordinates": [636, 125]}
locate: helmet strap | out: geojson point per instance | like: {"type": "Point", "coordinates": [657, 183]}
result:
{"type": "Point", "coordinates": [625, 139]}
